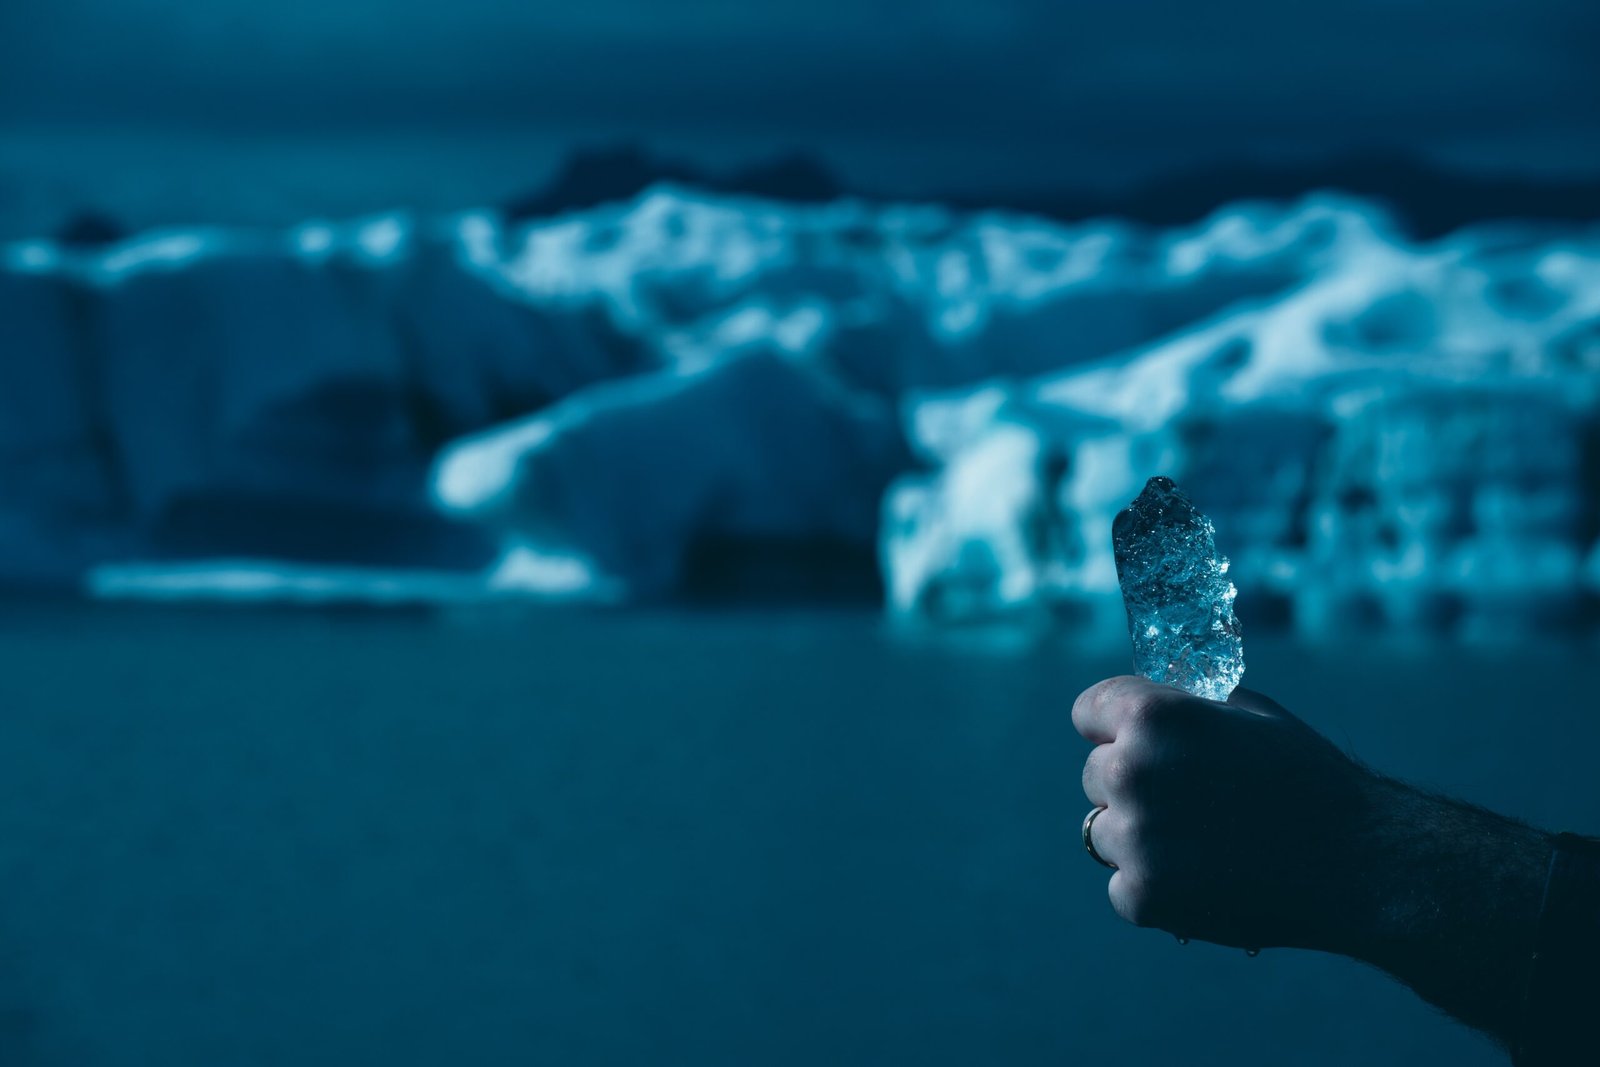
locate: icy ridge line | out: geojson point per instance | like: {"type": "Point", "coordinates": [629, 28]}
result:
{"type": "Point", "coordinates": [563, 408]}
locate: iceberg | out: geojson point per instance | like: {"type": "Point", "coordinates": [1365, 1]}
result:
{"type": "Point", "coordinates": [627, 476]}
{"type": "Point", "coordinates": [571, 407]}
{"type": "Point", "coordinates": [1407, 437]}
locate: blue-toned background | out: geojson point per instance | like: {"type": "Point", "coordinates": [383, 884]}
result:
{"type": "Point", "coordinates": [568, 534]}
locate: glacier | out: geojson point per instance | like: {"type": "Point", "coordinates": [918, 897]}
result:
{"type": "Point", "coordinates": [563, 408]}
{"type": "Point", "coordinates": [1407, 437]}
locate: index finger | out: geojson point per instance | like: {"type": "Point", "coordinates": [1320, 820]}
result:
{"type": "Point", "coordinates": [1098, 710]}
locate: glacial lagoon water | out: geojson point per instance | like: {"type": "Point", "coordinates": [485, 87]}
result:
{"type": "Point", "coordinates": [669, 837]}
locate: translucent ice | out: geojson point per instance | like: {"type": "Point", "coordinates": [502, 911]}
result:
{"type": "Point", "coordinates": [1176, 589]}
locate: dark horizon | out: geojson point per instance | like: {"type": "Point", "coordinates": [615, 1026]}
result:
{"type": "Point", "coordinates": [1024, 79]}
{"type": "Point", "coordinates": [1426, 200]}
{"type": "Point", "coordinates": [175, 113]}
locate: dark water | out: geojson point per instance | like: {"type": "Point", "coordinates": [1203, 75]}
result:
{"type": "Point", "coordinates": [280, 838]}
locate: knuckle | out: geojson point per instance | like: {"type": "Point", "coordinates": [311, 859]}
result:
{"type": "Point", "coordinates": [1134, 827]}
{"type": "Point", "coordinates": [1092, 701]}
{"type": "Point", "coordinates": [1154, 709]}
{"type": "Point", "coordinates": [1139, 772]}
{"type": "Point", "coordinates": [1139, 720]}
{"type": "Point", "coordinates": [1132, 768]}
{"type": "Point", "coordinates": [1124, 774]}
{"type": "Point", "coordinates": [1132, 899]}
{"type": "Point", "coordinates": [1111, 692]}
{"type": "Point", "coordinates": [1109, 773]}
{"type": "Point", "coordinates": [1093, 773]}
{"type": "Point", "coordinates": [1080, 704]}
{"type": "Point", "coordinates": [1090, 695]}
{"type": "Point", "coordinates": [1101, 690]}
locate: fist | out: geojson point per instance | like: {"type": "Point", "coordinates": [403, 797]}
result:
{"type": "Point", "coordinates": [1229, 822]}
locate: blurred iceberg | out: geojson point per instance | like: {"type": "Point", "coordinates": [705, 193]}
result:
{"type": "Point", "coordinates": [566, 408]}
{"type": "Point", "coordinates": [629, 474]}
{"type": "Point", "coordinates": [1410, 435]}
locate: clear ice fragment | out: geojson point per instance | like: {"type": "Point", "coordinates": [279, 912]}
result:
{"type": "Point", "coordinates": [1176, 589]}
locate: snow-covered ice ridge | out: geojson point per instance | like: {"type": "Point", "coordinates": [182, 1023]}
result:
{"type": "Point", "coordinates": [560, 408]}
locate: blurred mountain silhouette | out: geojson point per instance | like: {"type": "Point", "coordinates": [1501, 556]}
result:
{"type": "Point", "coordinates": [590, 177]}
{"type": "Point", "coordinates": [90, 229]}
{"type": "Point", "coordinates": [1431, 200]}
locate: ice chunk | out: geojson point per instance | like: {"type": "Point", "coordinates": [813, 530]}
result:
{"type": "Point", "coordinates": [1176, 589]}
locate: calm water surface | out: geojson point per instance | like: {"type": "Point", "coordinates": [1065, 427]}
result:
{"type": "Point", "coordinates": [659, 838]}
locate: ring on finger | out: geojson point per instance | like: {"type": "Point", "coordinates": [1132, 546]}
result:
{"type": "Point", "coordinates": [1088, 838]}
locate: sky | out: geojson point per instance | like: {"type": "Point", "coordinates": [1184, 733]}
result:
{"type": "Point", "coordinates": [297, 100]}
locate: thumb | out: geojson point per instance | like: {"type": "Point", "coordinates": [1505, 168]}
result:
{"type": "Point", "coordinates": [1258, 703]}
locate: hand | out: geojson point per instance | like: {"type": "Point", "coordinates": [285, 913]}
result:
{"type": "Point", "coordinates": [1238, 823]}
{"type": "Point", "coordinates": [1233, 823]}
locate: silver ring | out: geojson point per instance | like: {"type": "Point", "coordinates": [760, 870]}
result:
{"type": "Point", "coordinates": [1088, 839]}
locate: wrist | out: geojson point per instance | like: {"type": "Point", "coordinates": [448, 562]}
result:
{"type": "Point", "coordinates": [1446, 897]}
{"type": "Point", "coordinates": [1359, 895]}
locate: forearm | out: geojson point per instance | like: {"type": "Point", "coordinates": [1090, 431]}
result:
{"type": "Point", "coordinates": [1237, 823]}
{"type": "Point", "coordinates": [1447, 900]}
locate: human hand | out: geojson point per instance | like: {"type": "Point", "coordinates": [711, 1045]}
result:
{"type": "Point", "coordinates": [1237, 823]}
{"type": "Point", "coordinates": [1230, 822]}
